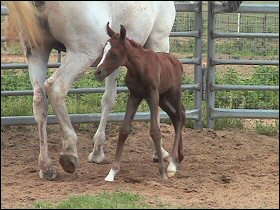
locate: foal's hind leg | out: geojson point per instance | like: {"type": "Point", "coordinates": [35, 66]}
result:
{"type": "Point", "coordinates": [57, 86]}
{"type": "Point", "coordinates": [173, 106]}
{"type": "Point", "coordinates": [153, 102]}
{"type": "Point", "coordinates": [37, 65]}
{"type": "Point", "coordinates": [108, 102]}
{"type": "Point", "coordinates": [158, 41]}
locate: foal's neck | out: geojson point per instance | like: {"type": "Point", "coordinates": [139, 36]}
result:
{"type": "Point", "coordinates": [135, 54]}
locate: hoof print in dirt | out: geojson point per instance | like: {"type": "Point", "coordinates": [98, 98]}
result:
{"type": "Point", "coordinates": [132, 180]}
{"type": "Point", "coordinates": [225, 179]}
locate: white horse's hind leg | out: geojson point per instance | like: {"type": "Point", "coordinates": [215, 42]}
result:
{"type": "Point", "coordinates": [108, 102]}
{"type": "Point", "coordinates": [37, 65]}
{"type": "Point", "coordinates": [57, 86]}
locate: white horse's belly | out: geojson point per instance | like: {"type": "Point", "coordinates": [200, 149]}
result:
{"type": "Point", "coordinates": [82, 25]}
{"type": "Point", "coordinates": [137, 17]}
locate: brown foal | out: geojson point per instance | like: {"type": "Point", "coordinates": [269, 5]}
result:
{"type": "Point", "coordinates": [155, 77]}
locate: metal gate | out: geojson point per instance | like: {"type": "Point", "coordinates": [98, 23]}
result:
{"type": "Point", "coordinates": [204, 85]}
{"type": "Point", "coordinates": [213, 112]}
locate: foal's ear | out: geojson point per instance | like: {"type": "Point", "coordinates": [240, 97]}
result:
{"type": "Point", "coordinates": [123, 33]}
{"type": "Point", "coordinates": [110, 32]}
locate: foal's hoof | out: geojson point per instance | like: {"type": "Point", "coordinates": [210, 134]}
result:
{"type": "Point", "coordinates": [68, 163]}
{"type": "Point", "coordinates": [165, 156]}
{"type": "Point", "coordinates": [171, 173]}
{"type": "Point", "coordinates": [48, 175]}
{"type": "Point", "coordinates": [164, 176]}
{"type": "Point", "coordinates": [172, 167]}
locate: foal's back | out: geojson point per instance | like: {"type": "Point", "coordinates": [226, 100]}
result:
{"type": "Point", "coordinates": [171, 71]}
{"type": "Point", "coordinates": [156, 68]}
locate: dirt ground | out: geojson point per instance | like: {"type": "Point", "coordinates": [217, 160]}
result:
{"type": "Point", "coordinates": [221, 169]}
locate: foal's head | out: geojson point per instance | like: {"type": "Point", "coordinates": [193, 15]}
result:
{"type": "Point", "coordinates": [113, 54]}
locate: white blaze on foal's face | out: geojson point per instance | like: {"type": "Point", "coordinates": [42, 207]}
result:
{"type": "Point", "coordinates": [106, 50]}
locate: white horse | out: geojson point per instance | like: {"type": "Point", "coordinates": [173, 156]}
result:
{"type": "Point", "coordinates": [79, 29]}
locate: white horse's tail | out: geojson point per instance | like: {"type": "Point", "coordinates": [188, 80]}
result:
{"type": "Point", "coordinates": [24, 21]}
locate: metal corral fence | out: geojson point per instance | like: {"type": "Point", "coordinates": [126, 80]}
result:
{"type": "Point", "coordinates": [190, 34]}
{"type": "Point", "coordinates": [195, 114]}
{"type": "Point", "coordinates": [213, 112]}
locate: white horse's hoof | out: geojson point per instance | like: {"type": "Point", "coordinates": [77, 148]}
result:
{"type": "Point", "coordinates": [48, 175]}
{"type": "Point", "coordinates": [96, 158]}
{"type": "Point", "coordinates": [68, 163]}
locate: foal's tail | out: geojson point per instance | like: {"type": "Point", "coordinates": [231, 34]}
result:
{"type": "Point", "coordinates": [24, 20]}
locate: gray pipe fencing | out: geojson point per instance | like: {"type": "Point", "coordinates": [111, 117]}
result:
{"type": "Point", "coordinates": [213, 112]}
{"type": "Point", "coordinates": [204, 85]}
{"type": "Point", "coordinates": [195, 114]}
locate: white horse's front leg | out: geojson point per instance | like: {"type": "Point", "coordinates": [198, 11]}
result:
{"type": "Point", "coordinates": [57, 86]}
{"type": "Point", "coordinates": [108, 102]}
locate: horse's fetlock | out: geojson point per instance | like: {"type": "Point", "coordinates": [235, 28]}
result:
{"type": "Point", "coordinates": [48, 83]}
{"type": "Point", "coordinates": [44, 164]}
{"type": "Point", "coordinates": [116, 167]}
{"type": "Point", "coordinates": [99, 140]}
{"type": "Point", "coordinates": [124, 131]}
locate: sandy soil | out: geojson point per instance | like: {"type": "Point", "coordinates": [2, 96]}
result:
{"type": "Point", "coordinates": [221, 169]}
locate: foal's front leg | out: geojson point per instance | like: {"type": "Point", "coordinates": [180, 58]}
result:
{"type": "Point", "coordinates": [132, 105]}
{"type": "Point", "coordinates": [153, 102]}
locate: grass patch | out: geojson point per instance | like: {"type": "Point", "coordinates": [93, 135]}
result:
{"type": "Point", "coordinates": [104, 200]}
{"type": "Point", "coordinates": [266, 129]}
{"type": "Point", "coordinates": [228, 123]}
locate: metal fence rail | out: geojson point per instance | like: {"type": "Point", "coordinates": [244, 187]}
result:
{"type": "Point", "coordinates": [195, 114]}
{"type": "Point", "coordinates": [205, 85]}
{"type": "Point", "coordinates": [213, 112]}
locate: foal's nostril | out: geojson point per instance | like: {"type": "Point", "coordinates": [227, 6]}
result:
{"type": "Point", "coordinates": [97, 72]}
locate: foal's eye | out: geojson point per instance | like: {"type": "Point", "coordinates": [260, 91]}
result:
{"type": "Point", "coordinates": [113, 55]}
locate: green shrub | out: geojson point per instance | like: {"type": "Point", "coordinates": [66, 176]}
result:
{"type": "Point", "coordinates": [264, 75]}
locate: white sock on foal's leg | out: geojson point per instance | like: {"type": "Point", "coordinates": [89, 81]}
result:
{"type": "Point", "coordinates": [111, 176]}
{"type": "Point", "coordinates": [165, 154]}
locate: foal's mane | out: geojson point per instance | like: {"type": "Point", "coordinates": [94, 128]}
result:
{"type": "Point", "coordinates": [134, 44]}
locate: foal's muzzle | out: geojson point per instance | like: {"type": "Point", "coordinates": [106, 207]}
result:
{"type": "Point", "coordinates": [100, 74]}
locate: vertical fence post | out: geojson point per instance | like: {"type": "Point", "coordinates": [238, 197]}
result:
{"type": "Point", "coordinates": [198, 67]}
{"type": "Point", "coordinates": [210, 67]}
{"type": "Point", "coordinates": [2, 128]}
